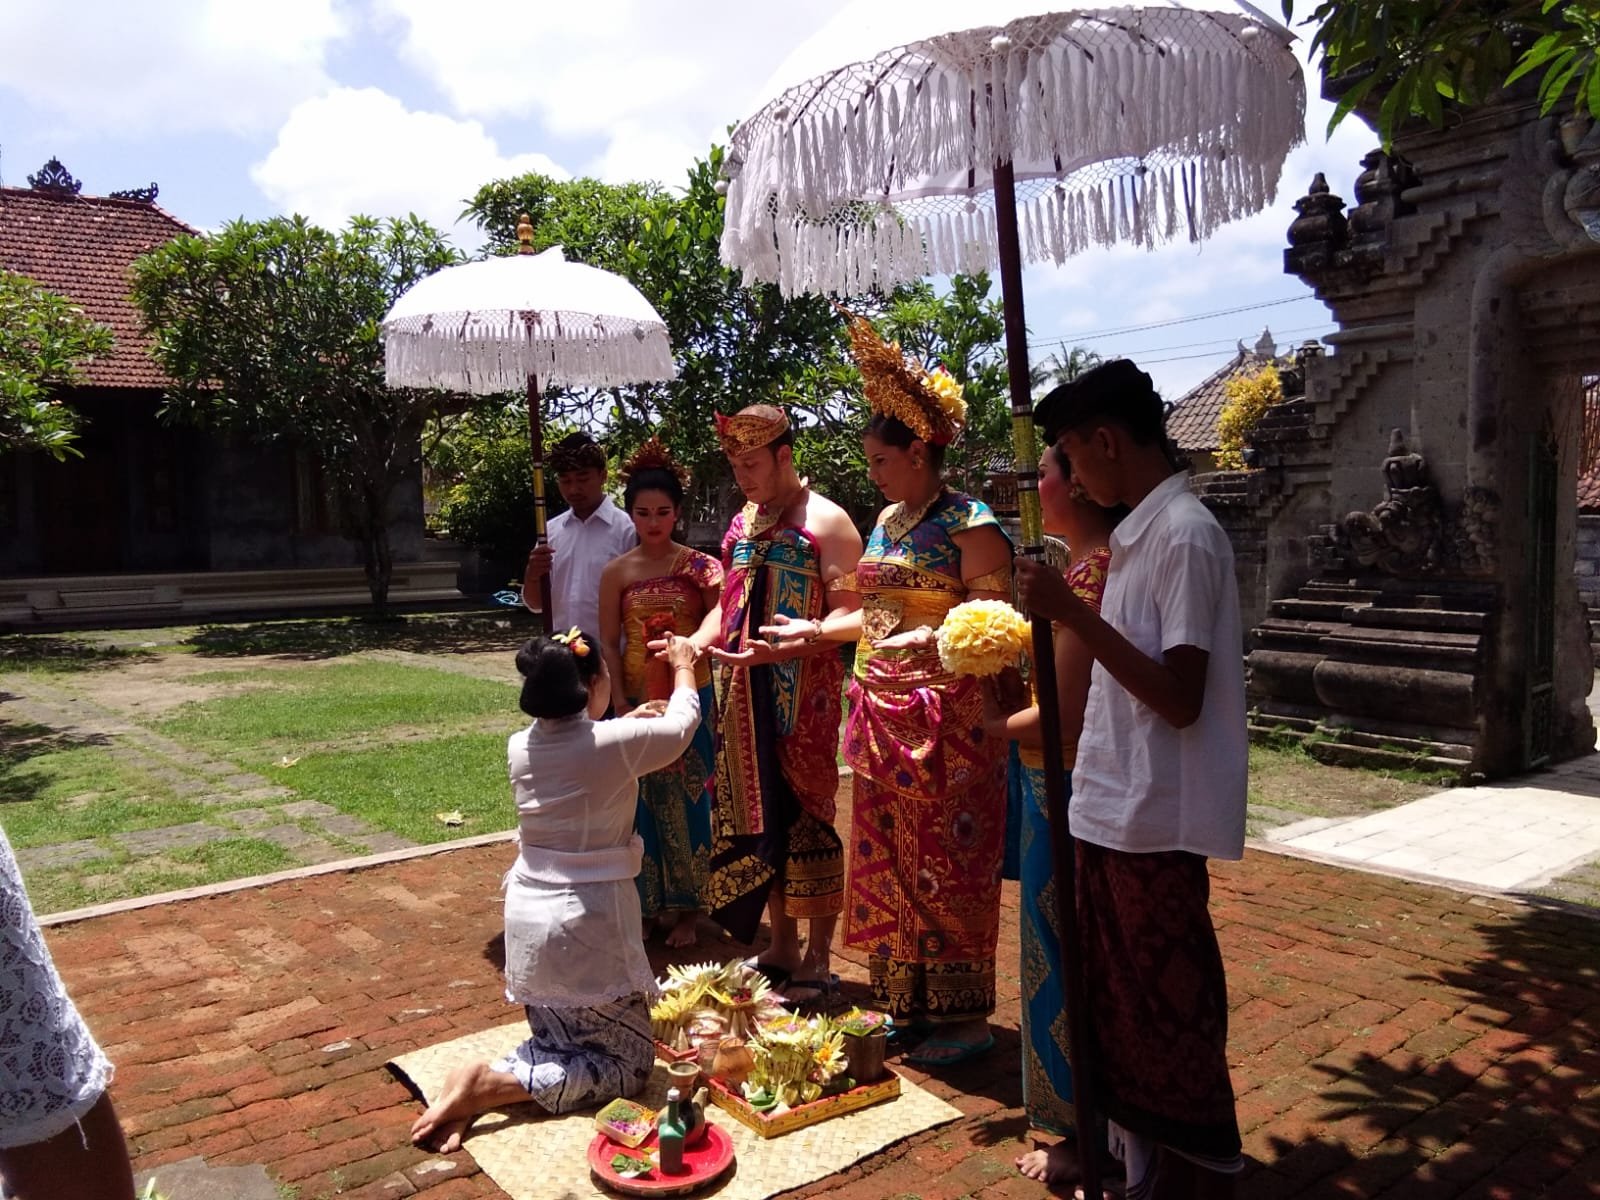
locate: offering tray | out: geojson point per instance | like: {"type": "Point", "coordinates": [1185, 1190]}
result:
{"type": "Point", "coordinates": [704, 1163]}
{"type": "Point", "coordinates": [768, 1125]}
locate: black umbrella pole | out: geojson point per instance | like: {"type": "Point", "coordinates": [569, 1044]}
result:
{"type": "Point", "coordinates": [1062, 849]}
{"type": "Point", "coordinates": [536, 443]}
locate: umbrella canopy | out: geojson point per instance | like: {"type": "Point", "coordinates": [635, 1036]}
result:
{"type": "Point", "coordinates": [867, 167]}
{"type": "Point", "coordinates": [490, 326]}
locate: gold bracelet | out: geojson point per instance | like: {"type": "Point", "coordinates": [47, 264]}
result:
{"type": "Point", "coordinates": [815, 635]}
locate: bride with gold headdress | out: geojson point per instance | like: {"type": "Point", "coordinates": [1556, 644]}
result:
{"type": "Point", "coordinates": [662, 587]}
{"type": "Point", "coordinates": [928, 821]}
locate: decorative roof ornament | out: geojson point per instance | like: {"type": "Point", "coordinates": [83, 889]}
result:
{"type": "Point", "coordinates": [144, 195]}
{"type": "Point", "coordinates": [53, 177]}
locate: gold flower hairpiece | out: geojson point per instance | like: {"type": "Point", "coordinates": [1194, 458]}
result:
{"type": "Point", "coordinates": [929, 403]}
{"type": "Point", "coordinates": [573, 640]}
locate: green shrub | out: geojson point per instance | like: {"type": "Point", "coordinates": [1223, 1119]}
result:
{"type": "Point", "coordinates": [1249, 397]}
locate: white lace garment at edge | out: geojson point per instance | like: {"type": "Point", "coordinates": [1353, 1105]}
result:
{"type": "Point", "coordinates": [51, 1069]}
{"type": "Point", "coordinates": [572, 908]}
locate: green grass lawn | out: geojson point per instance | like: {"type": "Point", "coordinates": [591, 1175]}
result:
{"type": "Point", "coordinates": [119, 875]}
{"type": "Point", "coordinates": [390, 743]}
{"type": "Point", "coordinates": [287, 711]}
{"type": "Point", "coordinates": [85, 792]}
{"type": "Point", "coordinates": [401, 787]}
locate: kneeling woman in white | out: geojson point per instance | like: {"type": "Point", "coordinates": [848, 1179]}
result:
{"type": "Point", "coordinates": [574, 956]}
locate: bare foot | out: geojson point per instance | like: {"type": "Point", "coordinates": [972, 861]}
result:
{"type": "Point", "coordinates": [1050, 1164]}
{"type": "Point", "coordinates": [684, 931]}
{"type": "Point", "coordinates": [468, 1092]}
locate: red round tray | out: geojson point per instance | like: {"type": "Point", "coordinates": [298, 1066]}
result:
{"type": "Point", "coordinates": [704, 1163]}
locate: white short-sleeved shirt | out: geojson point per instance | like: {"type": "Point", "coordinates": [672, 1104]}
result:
{"type": "Point", "coordinates": [581, 550]}
{"type": "Point", "coordinates": [1139, 784]}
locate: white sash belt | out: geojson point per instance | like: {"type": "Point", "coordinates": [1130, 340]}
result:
{"type": "Point", "coordinates": [538, 865]}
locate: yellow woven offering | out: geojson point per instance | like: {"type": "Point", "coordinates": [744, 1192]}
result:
{"type": "Point", "coordinates": [982, 637]}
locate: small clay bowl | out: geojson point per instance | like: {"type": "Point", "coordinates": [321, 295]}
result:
{"type": "Point", "coordinates": [684, 1076]}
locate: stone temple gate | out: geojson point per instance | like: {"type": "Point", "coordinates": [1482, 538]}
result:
{"type": "Point", "coordinates": [1417, 500]}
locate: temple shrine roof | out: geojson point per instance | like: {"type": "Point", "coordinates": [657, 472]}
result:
{"type": "Point", "coordinates": [1192, 424]}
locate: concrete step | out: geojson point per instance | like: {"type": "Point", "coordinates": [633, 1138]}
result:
{"type": "Point", "coordinates": [1311, 610]}
{"type": "Point", "coordinates": [1420, 618]}
{"type": "Point", "coordinates": [1349, 593]}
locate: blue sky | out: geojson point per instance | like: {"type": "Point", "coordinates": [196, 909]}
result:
{"type": "Point", "coordinates": [331, 107]}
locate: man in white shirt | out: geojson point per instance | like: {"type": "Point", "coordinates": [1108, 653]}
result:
{"type": "Point", "coordinates": [579, 542]}
{"type": "Point", "coordinates": [1158, 787]}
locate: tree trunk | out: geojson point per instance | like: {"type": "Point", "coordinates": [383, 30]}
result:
{"type": "Point", "coordinates": [376, 554]}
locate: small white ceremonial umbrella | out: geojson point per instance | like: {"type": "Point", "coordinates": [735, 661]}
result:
{"type": "Point", "coordinates": [521, 321]}
{"type": "Point", "coordinates": [901, 141]}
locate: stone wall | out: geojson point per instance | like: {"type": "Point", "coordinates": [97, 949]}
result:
{"type": "Point", "coordinates": [1587, 564]}
{"type": "Point", "coordinates": [1235, 499]}
{"type": "Point", "coordinates": [1436, 459]}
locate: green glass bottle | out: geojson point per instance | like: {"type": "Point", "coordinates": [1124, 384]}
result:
{"type": "Point", "coordinates": [670, 1131]}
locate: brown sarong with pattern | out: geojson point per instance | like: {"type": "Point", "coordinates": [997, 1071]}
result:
{"type": "Point", "coordinates": [1158, 999]}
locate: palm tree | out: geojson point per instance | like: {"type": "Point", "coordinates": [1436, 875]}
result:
{"type": "Point", "coordinates": [1056, 369]}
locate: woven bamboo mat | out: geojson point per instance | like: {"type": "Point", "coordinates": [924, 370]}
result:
{"type": "Point", "coordinates": [546, 1157]}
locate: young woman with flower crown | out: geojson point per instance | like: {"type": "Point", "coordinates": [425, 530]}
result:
{"type": "Point", "coordinates": [661, 587]}
{"type": "Point", "coordinates": [574, 959]}
{"type": "Point", "coordinates": [928, 822]}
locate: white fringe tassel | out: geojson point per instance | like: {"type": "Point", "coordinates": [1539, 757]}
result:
{"type": "Point", "coordinates": [1146, 124]}
{"type": "Point", "coordinates": [488, 353]}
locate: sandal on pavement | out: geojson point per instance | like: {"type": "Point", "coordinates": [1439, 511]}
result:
{"type": "Point", "coordinates": [824, 990]}
{"type": "Point", "coordinates": [964, 1051]}
{"type": "Point", "coordinates": [913, 1032]}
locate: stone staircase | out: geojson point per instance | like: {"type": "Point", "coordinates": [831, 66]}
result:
{"type": "Point", "coordinates": [1372, 672]}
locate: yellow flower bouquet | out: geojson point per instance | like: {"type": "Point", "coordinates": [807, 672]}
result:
{"type": "Point", "coordinates": [982, 637]}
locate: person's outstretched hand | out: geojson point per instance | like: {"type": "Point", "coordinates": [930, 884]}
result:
{"type": "Point", "coordinates": [681, 652]}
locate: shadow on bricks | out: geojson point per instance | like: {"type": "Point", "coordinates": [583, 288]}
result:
{"type": "Point", "coordinates": [1474, 1073]}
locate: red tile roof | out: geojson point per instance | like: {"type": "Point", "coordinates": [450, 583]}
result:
{"type": "Point", "coordinates": [83, 247]}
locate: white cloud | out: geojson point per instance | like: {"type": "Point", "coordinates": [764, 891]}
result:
{"type": "Point", "coordinates": [177, 66]}
{"type": "Point", "coordinates": [653, 82]}
{"type": "Point", "coordinates": [360, 150]}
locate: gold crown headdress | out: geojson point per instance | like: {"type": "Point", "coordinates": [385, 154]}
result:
{"type": "Point", "coordinates": [929, 403]}
{"type": "Point", "coordinates": [751, 428]}
{"type": "Point", "coordinates": [651, 456]}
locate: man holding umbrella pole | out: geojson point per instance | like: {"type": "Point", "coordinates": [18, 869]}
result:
{"type": "Point", "coordinates": [1158, 788]}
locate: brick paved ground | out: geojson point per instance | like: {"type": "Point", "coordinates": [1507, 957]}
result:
{"type": "Point", "coordinates": [1389, 1039]}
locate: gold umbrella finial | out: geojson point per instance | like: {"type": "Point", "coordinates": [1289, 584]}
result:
{"type": "Point", "coordinates": [524, 234]}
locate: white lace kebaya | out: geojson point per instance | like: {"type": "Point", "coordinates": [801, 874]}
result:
{"type": "Point", "coordinates": [573, 924]}
{"type": "Point", "coordinates": [51, 1069]}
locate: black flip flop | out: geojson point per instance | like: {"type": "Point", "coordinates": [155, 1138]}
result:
{"type": "Point", "coordinates": [776, 976]}
{"type": "Point", "coordinates": [825, 989]}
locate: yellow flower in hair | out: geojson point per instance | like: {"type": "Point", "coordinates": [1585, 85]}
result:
{"type": "Point", "coordinates": [947, 393]}
{"type": "Point", "coordinates": [573, 640]}
{"type": "Point", "coordinates": [982, 637]}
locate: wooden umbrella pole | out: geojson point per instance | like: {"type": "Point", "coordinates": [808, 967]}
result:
{"type": "Point", "coordinates": [1062, 848]}
{"type": "Point", "coordinates": [536, 442]}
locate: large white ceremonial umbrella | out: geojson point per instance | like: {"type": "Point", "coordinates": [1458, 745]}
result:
{"type": "Point", "coordinates": [525, 320]}
{"type": "Point", "coordinates": [902, 141]}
